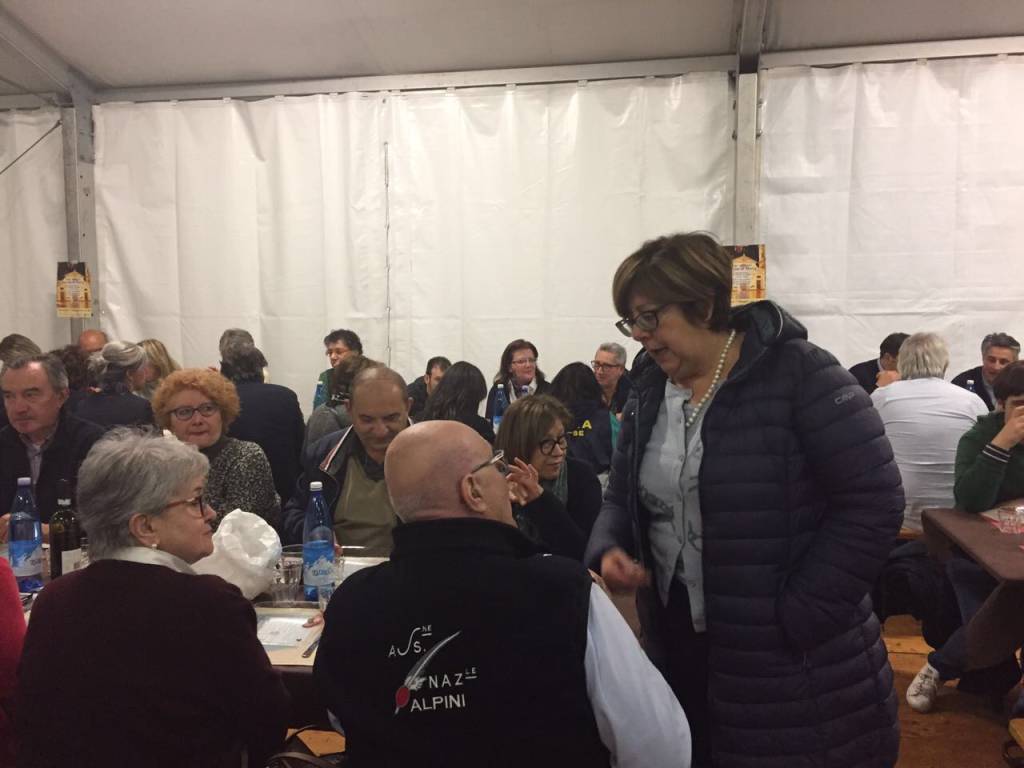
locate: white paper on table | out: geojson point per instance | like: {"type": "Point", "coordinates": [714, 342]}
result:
{"type": "Point", "coordinates": [282, 631]}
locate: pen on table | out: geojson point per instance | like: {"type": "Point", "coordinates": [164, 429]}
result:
{"type": "Point", "coordinates": [312, 647]}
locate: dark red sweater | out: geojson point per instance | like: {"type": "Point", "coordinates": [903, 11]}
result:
{"type": "Point", "coordinates": [132, 664]}
{"type": "Point", "coordinates": [12, 633]}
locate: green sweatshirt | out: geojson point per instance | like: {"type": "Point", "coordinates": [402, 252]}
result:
{"type": "Point", "coordinates": [983, 477]}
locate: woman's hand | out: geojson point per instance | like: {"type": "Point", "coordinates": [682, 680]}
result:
{"type": "Point", "coordinates": [523, 483]}
{"type": "Point", "coordinates": [621, 572]}
{"type": "Point", "coordinates": [1013, 430]}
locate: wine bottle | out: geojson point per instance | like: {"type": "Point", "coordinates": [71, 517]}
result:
{"type": "Point", "coordinates": [65, 535]}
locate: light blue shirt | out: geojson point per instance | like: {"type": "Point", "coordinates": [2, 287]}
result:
{"type": "Point", "coordinates": [668, 489]}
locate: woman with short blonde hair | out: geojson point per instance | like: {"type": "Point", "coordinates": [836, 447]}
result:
{"type": "Point", "coordinates": [198, 405]}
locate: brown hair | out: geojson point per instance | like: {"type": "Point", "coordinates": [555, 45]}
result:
{"type": "Point", "coordinates": [504, 374]}
{"type": "Point", "coordinates": [689, 269]}
{"type": "Point", "coordinates": [221, 392]}
{"type": "Point", "coordinates": [1009, 382]}
{"type": "Point", "coordinates": [525, 424]}
{"type": "Point", "coordinates": [344, 373]}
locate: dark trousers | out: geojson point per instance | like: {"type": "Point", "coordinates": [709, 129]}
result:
{"type": "Point", "coordinates": [687, 670]}
{"type": "Point", "coordinates": [972, 586]}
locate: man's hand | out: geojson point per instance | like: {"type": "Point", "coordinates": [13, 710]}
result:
{"type": "Point", "coordinates": [523, 483]}
{"type": "Point", "coordinates": [620, 572]}
{"type": "Point", "coordinates": [5, 522]}
{"type": "Point", "coordinates": [1012, 431]}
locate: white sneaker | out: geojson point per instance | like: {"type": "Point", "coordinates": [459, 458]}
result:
{"type": "Point", "coordinates": [923, 689]}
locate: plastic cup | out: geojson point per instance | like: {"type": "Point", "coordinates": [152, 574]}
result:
{"type": "Point", "coordinates": [1007, 519]}
{"type": "Point", "coordinates": [287, 584]}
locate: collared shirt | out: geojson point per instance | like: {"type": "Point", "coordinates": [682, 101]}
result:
{"type": "Point", "coordinates": [669, 490]}
{"type": "Point", "coordinates": [516, 392]}
{"type": "Point", "coordinates": [35, 452]}
{"type": "Point", "coordinates": [150, 556]}
{"type": "Point", "coordinates": [924, 420]}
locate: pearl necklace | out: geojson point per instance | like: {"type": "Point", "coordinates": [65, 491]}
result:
{"type": "Point", "coordinates": [714, 381]}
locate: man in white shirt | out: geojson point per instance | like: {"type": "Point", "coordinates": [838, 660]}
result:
{"type": "Point", "coordinates": [924, 418]}
{"type": "Point", "coordinates": [484, 651]}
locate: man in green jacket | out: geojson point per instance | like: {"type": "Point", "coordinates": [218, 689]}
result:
{"type": "Point", "coordinates": [990, 457]}
{"type": "Point", "coordinates": [989, 470]}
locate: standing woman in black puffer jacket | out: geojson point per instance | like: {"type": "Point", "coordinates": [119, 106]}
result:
{"type": "Point", "coordinates": [754, 487]}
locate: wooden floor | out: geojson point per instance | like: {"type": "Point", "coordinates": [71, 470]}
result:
{"type": "Point", "coordinates": [962, 730]}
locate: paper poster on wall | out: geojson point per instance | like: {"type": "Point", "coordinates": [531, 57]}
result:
{"type": "Point", "coordinates": [74, 290]}
{"type": "Point", "coordinates": [748, 273]}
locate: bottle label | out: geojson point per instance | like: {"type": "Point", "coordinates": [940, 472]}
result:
{"type": "Point", "coordinates": [317, 564]}
{"type": "Point", "coordinates": [70, 560]}
{"type": "Point", "coordinates": [26, 558]}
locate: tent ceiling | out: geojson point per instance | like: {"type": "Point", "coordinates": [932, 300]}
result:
{"type": "Point", "coordinates": [121, 43]}
{"type": "Point", "coordinates": [21, 74]}
{"type": "Point", "coordinates": [801, 24]}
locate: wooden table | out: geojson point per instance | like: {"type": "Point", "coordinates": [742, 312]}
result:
{"type": "Point", "coordinates": [997, 629]}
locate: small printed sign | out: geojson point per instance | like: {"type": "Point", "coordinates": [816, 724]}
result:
{"type": "Point", "coordinates": [748, 274]}
{"type": "Point", "coordinates": [74, 290]}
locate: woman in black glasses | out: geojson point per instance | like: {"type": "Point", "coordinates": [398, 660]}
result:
{"type": "Point", "coordinates": [198, 405]}
{"type": "Point", "coordinates": [753, 487]}
{"type": "Point", "coordinates": [139, 660]}
{"type": "Point", "coordinates": [518, 374]}
{"type": "Point", "coordinates": [557, 497]}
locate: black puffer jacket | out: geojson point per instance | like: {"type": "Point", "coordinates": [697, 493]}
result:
{"type": "Point", "coordinates": [801, 502]}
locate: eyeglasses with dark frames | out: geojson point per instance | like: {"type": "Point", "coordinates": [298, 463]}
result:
{"type": "Point", "coordinates": [196, 503]}
{"type": "Point", "coordinates": [646, 321]}
{"type": "Point", "coordinates": [547, 445]}
{"type": "Point", "coordinates": [497, 460]}
{"type": "Point", "coordinates": [186, 412]}
{"type": "Point", "coordinates": [598, 366]}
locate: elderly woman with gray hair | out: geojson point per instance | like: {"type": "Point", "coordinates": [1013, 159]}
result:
{"type": "Point", "coordinates": [174, 655]}
{"type": "Point", "coordinates": [118, 370]}
{"type": "Point", "coordinates": [924, 418]}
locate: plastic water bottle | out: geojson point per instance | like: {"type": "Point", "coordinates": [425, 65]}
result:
{"type": "Point", "coordinates": [26, 539]}
{"type": "Point", "coordinates": [317, 549]}
{"type": "Point", "coordinates": [319, 396]}
{"type": "Point", "coordinates": [970, 386]}
{"type": "Point", "coordinates": [500, 406]}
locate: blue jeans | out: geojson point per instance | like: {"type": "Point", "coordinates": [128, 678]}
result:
{"type": "Point", "coordinates": [972, 586]}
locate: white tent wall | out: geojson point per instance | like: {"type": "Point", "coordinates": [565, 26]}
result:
{"type": "Point", "coordinates": [267, 216]}
{"type": "Point", "coordinates": [891, 200]}
{"type": "Point", "coordinates": [33, 227]}
{"type": "Point", "coordinates": [511, 208]}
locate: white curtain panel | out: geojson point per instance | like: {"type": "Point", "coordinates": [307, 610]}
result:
{"type": "Point", "coordinates": [892, 199]}
{"type": "Point", "coordinates": [267, 216]}
{"type": "Point", "coordinates": [510, 208]}
{"type": "Point", "coordinates": [33, 228]}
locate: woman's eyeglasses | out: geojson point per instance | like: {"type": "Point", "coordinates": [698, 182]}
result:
{"type": "Point", "coordinates": [547, 445]}
{"type": "Point", "coordinates": [525, 361]}
{"type": "Point", "coordinates": [196, 505]}
{"type": "Point", "coordinates": [186, 412]}
{"type": "Point", "coordinates": [645, 321]}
